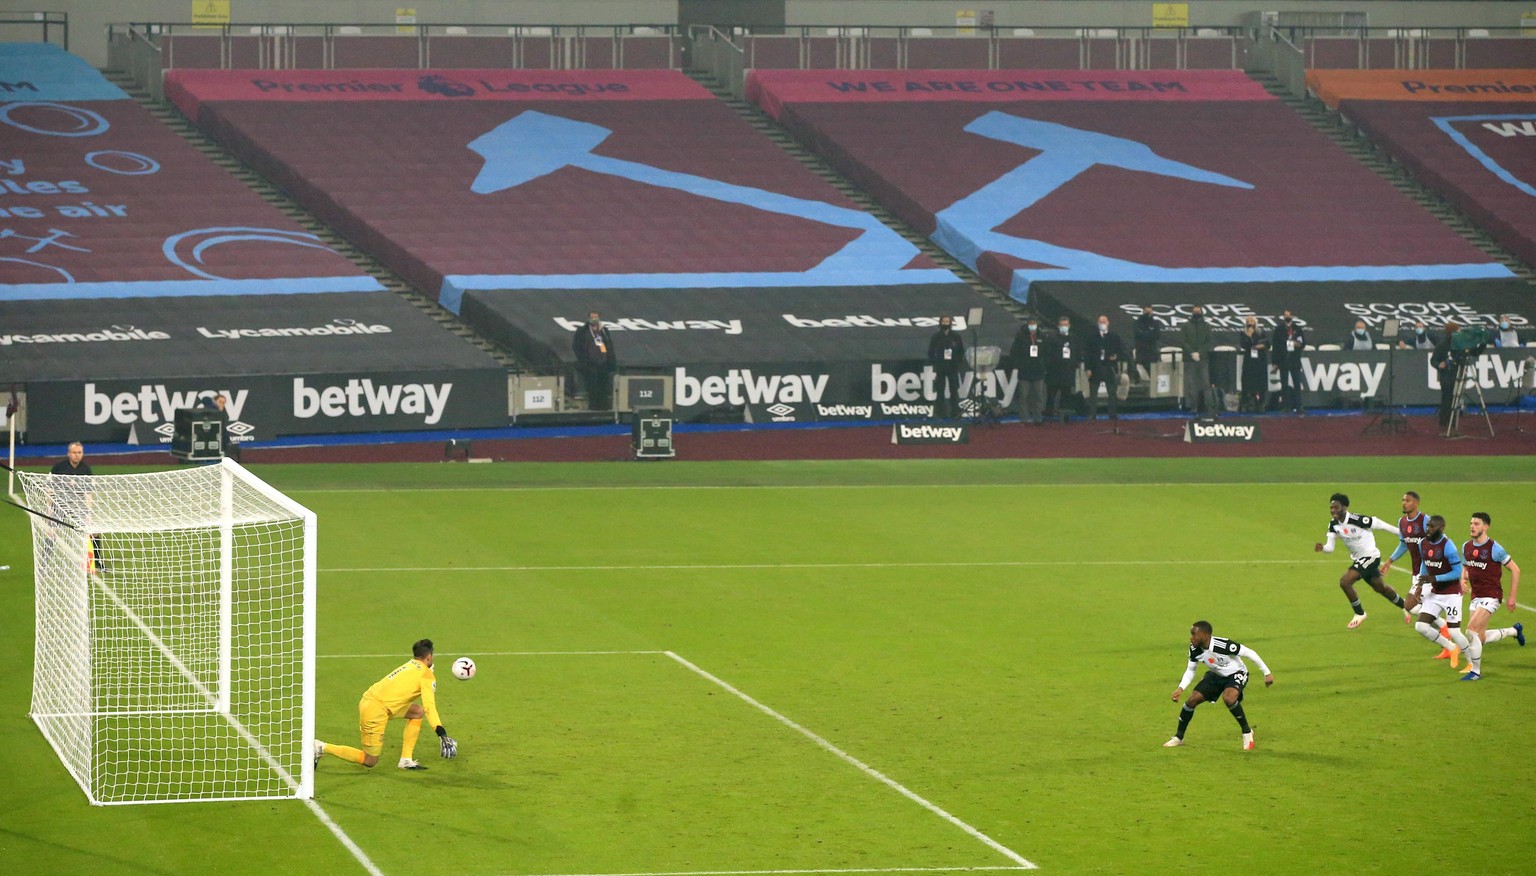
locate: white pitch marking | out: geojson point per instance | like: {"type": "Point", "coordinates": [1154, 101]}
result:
{"type": "Point", "coordinates": [496, 654]}
{"type": "Point", "coordinates": [785, 872]}
{"type": "Point", "coordinates": [793, 872]}
{"type": "Point", "coordinates": [860, 765]}
{"type": "Point", "coordinates": [641, 487]}
{"type": "Point", "coordinates": [728, 566]}
{"type": "Point", "coordinates": [354, 848]}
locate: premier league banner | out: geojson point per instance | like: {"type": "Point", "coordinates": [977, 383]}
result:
{"type": "Point", "coordinates": [1465, 133]}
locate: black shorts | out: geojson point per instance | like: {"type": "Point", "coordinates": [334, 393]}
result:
{"type": "Point", "coordinates": [1367, 567]}
{"type": "Point", "coordinates": [1211, 686]}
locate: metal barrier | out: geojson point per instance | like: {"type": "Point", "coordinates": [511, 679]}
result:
{"type": "Point", "coordinates": [715, 53]}
{"type": "Point", "coordinates": [149, 48]}
{"type": "Point", "coordinates": [847, 47]}
{"type": "Point", "coordinates": [1411, 48]}
{"type": "Point", "coordinates": [47, 27]}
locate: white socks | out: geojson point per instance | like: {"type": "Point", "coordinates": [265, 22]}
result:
{"type": "Point", "coordinates": [1495, 635]}
{"type": "Point", "coordinates": [1431, 633]}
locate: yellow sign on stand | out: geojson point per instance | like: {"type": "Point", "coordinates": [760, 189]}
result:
{"type": "Point", "coordinates": [210, 13]}
{"type": "Point", "coordinates": [965, 22]}
{"type": "Point", "coordinates": [405, 19]}
{"type": "Point", "coordinates": [1170, 15]}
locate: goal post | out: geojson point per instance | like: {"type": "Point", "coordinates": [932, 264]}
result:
{"type": "Point", "coordinates": [175, 640]}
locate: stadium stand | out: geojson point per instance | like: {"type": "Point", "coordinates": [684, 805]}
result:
{"type": "Point", "coordinates": [102, 201]}
{"type": "Point", "coordinates": [1027, 176]}
{"type": "Point", "coordinates": [524, 198]}
{"type": "Point", "coordinates": [1468, 134]}
{"type": "Point", "coordinates": [136, 274]}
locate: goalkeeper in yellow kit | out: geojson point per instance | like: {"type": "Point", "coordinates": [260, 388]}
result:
{"type": "Point", "coordinates": [395, 696]}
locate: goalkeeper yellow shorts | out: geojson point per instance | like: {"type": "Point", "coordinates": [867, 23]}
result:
{"type": "Point", "coordinates": [372, 718]}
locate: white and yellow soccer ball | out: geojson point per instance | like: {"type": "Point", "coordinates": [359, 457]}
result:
{"type": "Point", "coordinates": [463, 669]}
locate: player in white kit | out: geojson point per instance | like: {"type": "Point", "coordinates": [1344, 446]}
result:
{"type": "Point", "coordinates": [1365, 557]}
{"type": "Point", "coordinates": [1225, 677]}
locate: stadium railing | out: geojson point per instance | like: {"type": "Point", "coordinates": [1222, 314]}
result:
{"type": "Point", "coordinates": [150, 48]}
{"type": "Point", "coordinates": [47, 27]}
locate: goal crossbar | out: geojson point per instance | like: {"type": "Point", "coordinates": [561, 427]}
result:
{"type": "Point", "coordinates": [172, 600]}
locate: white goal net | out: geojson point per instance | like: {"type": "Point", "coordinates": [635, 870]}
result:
{"type": "Point", "coordinates": [175, 634]}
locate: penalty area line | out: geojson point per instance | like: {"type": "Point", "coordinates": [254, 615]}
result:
{"type": "Point", "coordinates": [577, 488]}
{"type": "Point", "coordinates": [703, 567]}
{"type": "Point", "coordinates": [807, 872]}
{"type": "Point", "coordinates": [335, 829]}
{"type": "Point", "coordinates": [494, 654]}
{"type": "Point", "coordinates": [861, 766]}
{"type": "Point", "coordinates": [792, 872]}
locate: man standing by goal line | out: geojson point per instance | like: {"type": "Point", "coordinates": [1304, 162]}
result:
{"type": "Point", "coordinates": [392, 696]}
{"type": "Point", "coordinates": [1225, 677]}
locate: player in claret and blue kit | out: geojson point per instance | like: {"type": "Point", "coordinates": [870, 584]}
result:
{"type": "Point", "coordinates": [1410, 528]}
{"type": "Point", "coordinates": [1483, 561]}
{"type": "Point", "coordinates": [1365, 556]}
{"type": "Point", "coordinates": [1410, 532]}
{"type": "Point", "coordinates": [1440, 583]}
{"type": "Point", "coordinates": [1225, 677]}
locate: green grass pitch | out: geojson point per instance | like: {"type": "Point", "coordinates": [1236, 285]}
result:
{"type": "Point", "coordinates": [855, 666]}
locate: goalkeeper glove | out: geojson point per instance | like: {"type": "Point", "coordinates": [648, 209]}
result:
{"type": "Point", "coordinates": [450, 747]}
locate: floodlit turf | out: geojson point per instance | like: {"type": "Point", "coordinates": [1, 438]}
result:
{"type": "Point", "coordinates": [873, 666]}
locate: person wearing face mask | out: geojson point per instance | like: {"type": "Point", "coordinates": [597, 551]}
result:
{"type": "Point", "coordinates": [946, 354]}
{"type": "Point", "coordinates": [595, 361]}
{"type": "Point", "coordinates": [1197, 342]}
{"type": "Point", "coordinates": [1147, 334]}
{"type": "Point", "coordinates": [1506, 335]}
{"type": "Point", "coordinates": [1028, 355]}
{"type": "Point", "coordinates": [1421, 339]}
{"type": "Point", "coordinates": [1255, 352]}
{"type": "Point", "coordinates": [1360, 339]}
{"type": "Point", "coordinates": [1285, 347]}
{"type": "Point", "coordinates": [1104, 352]}
{"type": "Point", "coordinates": [1063, 356]}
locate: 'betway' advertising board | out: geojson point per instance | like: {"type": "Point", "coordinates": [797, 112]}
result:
{"type": "Point", "coordinates": [1333, 377]}
{"type": "Point", "coordinates": [288, 364]}
{"type": "Point", "coordinates": [907, 389]}
{"type": "Point", "coordinates": [800, 392]}
{"type": "Point", "coordinates": [667, 328]}
{"type": "Point", "coordinates": [261, 407]}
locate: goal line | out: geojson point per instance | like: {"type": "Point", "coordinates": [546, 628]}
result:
{"type": "Point", "coordinates": [1018, 861]}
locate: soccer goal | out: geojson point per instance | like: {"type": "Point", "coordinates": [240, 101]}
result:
{"type": "Point", "coordinates": [175, 634]}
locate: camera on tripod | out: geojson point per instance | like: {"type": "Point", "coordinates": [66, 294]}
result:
{"type": "Point", "coordinates": [1469, 343]}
